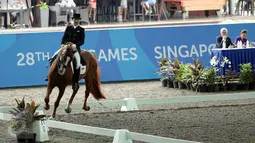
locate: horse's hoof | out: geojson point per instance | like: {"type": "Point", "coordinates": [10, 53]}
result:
{"type": "Point", "coordinates": [87, 108]}
{"type": "Point", "coordinates": [68, 110]}
{"type": "Point", "coordinates": [50, 118]}
{"type": "Point", "coordinates": [53, 116]}
{"type": "Point", "coordinates": [47, 107]}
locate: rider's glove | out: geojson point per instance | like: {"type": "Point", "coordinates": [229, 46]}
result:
{"type": "Point", "coordinates": [74, 47]}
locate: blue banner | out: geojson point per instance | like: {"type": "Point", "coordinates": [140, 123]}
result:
{"type": "Point", "coordinates": [123, 54]}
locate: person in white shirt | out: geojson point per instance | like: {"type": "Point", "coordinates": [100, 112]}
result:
{"type": "Point", "coordinates": [16, 4]}
{"type": "Point", "coordinates": [67, 3]}
{"type": "Point", "coordinates": [146, 5]}
{"type": "Point", "coordinates": [223, 41]}
{"type": "Point", "coordinates": [2, 21]}
{"type": "Point", "coordinates": [123, 5]}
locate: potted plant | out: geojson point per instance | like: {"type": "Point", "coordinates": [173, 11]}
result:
{"type": "Point", "coordinates": [170, 80]}
{"type": "Point", "coordinates": [175, 69]}
{"type": "Point", "coordinates": [187, 77]}
{"type": "Point", "coordinates": [223, 80]}
{"type": "Point", "coordinates": [170, 73]}
{"type": "Point", "coordinates": [252, 83]}
{"type": "Point", "coordinates": [42, 14]}
{"type": "Point", "coordinates": [231, 80]}
{"type": "Point", "coordinates": [196, 70]}
{"type": "Point", "coordinates": [162, 70]}
{"type": "Point", "coordinates": [220, 84]}
{"type": "Point", "coordinates": [245, 76]}
{"type": "Point", "coordinates": [179, 77]}
{"type": "Point", "coordinates": [22, 122]}
{"type": "Point", "coordinates": [164, 81]}
{"type": "Point", "coordinates": [210, 78]}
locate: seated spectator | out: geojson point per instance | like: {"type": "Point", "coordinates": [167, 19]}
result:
{"type": "Point", "coordinates": [2, 18]}
{"type": "Point", "coordinates": [93, 7]}
{"type": "Point", "coordinates": [123, 6]}
{"type": "Point", "coordinates": [67, 3]}
{"type": "Point", "coordinates": [15, 4]}
{"type": "Point", "coordinates": [146, 5]}
{"type": "Point", "coordinates": [223, 38]}
{"type": "Point", "coordinates": [242, 38]}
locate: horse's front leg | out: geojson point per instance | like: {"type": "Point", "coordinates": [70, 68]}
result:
{"type": "Point", "coordinates": [69, 103]}
{"type": "Point", "coordinates": [47, 97]}
{"type": "Point", "coordinates": [60, 95]}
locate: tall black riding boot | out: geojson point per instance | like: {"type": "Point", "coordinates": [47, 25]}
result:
{"type": "Point", "coordinates": [76, 79]}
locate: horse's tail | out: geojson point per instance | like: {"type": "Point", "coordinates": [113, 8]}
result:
{"type": "Point", "coordinates": [93, 79]}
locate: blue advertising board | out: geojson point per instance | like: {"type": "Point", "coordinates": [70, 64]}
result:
{"type": "Point", "coordinates": [123, 54]}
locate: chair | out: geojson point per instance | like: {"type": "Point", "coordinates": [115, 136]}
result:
{"type": "Point", "coordinates": [104, 10]}
{"type": "Point", "coordinates": [172, 7]}
{"type": "Point", "coordinates": [136, 11]}
{"type": "Point", "coordinates": [245, 6]}
{"type": "Point", "coordinates": [84, 14]}
{"type": "Point", "coordinates": [154, 13]}
{"type": "Point", "coordinates": [154, 8]}
{"type": "Point", "coordinates": [56, 15]}
{"type": "Point", "coordinates": [25, 17]}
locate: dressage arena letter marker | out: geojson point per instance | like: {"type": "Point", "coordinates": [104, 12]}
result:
{"type": "Point", "coordinates": [41, 129]}
{"type": "Point", "coordinates": [121, 137]}
{"type": "Point", "coordinates": [130, 105]}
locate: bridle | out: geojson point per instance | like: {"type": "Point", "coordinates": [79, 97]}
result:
{"type": "Point", "coordinates": [64, 59]}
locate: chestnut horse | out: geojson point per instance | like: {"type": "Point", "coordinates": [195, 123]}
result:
{"type": "Point", "coordinates": [60, 75]}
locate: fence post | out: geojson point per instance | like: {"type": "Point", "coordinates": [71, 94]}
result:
{"type": "Point", "coordinates": [130, 105]}
{"type": "Point", "coordinates": [121, 137]}
{"type": "Point", "coordinates": [41, 129]}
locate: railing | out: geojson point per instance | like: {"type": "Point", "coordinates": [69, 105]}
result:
{"type": "Point", "coordinates": [120, 136]}
{"type": "Point", "coordinates": [130, 104]}
{"type": "Point", "coordinates": [124, 136]}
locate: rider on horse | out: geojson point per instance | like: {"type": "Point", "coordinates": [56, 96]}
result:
{"type": "Point", "coordinates": [75, 34]}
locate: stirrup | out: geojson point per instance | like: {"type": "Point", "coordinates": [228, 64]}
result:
{"type": "Point", "coordinates": [46, 78]}
{"type": "Point", "coordinates": [75, 86]}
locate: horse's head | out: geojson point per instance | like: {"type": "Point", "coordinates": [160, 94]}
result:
{"type": "Point", "coordinates": [65, 57]}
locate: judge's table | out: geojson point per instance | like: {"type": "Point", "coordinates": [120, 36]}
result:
{"type": "Point", "coordinates": [237, 56]}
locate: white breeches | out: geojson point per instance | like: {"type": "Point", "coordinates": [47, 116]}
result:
{"type": "Point", "coordinates": [78, 59]}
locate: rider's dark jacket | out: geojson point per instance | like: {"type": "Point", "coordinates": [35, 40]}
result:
{"type": "Point", "coordinates": [74, 35]}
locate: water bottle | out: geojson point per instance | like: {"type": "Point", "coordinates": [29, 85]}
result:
{"type": "Point", "coordinates": [239, 44]}
{"type": "Point", "coordinates": [247, 44]}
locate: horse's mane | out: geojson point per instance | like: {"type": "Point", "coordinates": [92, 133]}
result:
{"type": "Point", "coordinates": [67, 45]}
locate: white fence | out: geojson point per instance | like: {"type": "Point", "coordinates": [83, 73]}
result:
{"type": "Point", "coordinates": [120, 136]}
{"type": "Point", "coordinates": [132, 104]}
{"type": "Point", "coordinates": [124, 136]}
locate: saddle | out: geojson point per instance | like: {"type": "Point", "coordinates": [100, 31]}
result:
{"type": "Point", "coordinates": [83, 62]}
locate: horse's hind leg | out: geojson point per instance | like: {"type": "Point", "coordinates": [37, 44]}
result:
{"type": "Point", "coordinates": [47, 97]}
{"type": "Point", "coordinates": [60, 95]}
{"type": "Point", "coordinates": [68, 107]}
{"type": "Point", "coordinates": [85, 107]}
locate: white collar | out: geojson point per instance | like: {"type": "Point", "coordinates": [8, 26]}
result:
{"type": "Point", "coordinates": [75, 26]}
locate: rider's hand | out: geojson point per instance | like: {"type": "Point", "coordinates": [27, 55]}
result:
{"type": "Point", "coordinates": [74, 47]}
